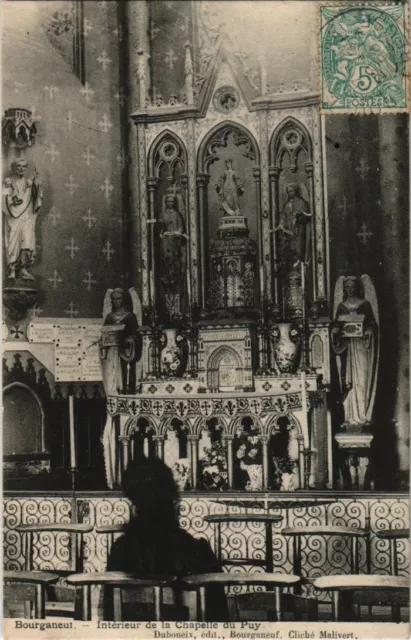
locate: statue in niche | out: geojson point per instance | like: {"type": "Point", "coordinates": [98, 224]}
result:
{"type": "Point", "coordinates": [120, 346]}
{"type": "Point", "coordinates": [173, 247]}
{"type": "Point", "coordinates": [229, 188]}
{"type": "Point", "coordinates": [22, 199]}
{"type": "Point", "coordinates": [355, 341]}
{"type": "Point", "coordinates": [294, 229]}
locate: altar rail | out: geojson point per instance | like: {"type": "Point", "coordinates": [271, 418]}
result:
{"type": "Point", "coordinates": [321, 555]}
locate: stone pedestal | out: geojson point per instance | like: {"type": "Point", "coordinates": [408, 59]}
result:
{"type": "Point", "coordinates": [354, 460]}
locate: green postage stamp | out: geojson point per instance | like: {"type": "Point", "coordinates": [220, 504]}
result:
{"type": "Point", "coordinates": [364, 58]}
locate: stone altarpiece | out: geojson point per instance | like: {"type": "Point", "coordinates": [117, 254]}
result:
{"type": "Point", "coordinates": [234, 309]}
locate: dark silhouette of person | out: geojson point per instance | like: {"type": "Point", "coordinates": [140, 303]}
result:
{"type": "Point", "coordinates": [153, 542]}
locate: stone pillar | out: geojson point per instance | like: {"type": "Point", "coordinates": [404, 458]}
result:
{"type": "Point", "coordinates": [193, 440]}
{"type": "Point", "coordinates": [159, 442]}
{"type": "Point", "coordinates": [136, 23]}
{"type": "Point", "coordinates": [264, 439]}
{"type": "Point", "coordinates": [152, 184]}
{"type": "Point", "coordinates": [202, 182]}
{"type": "Point", "coordinates": [261, 269]}
{"type": "Point", "coordinates": [394, 320]}
{"type": "Point", "coordinates": [309, 170]}
{"type": "Point", "coordinates": [230, 467]}
{"type": "Point", "coordinates": [274, 173]}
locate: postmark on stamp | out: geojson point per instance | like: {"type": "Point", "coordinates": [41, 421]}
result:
{"type": "Point", "coordinates": [364, 65]}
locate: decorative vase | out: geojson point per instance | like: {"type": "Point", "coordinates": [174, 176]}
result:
{"type": "Point", "coordinates": [286, 342]}
{"type": "Point", "coordinates": [255, 473]}
{"type": "Point", "coordinates": [173, 357]}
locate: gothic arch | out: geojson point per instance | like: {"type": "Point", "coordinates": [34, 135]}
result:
{"type": "Point", "coordinates": [132, 424]}
{"type": "Point", "coordinates": [273, 420]}
{"type": "Point", "coordinates": [277, 146]}
{"type": "Point", "coordinates": [236, 423]}
{"type": "Point", "coordinates": [165, 425]}
{"type": "Point", "coordinates": [201, 424]}
{"type": "Point", "coordinates": [218, 136]}
{"type": "Point", "coordinates": [157, 155]}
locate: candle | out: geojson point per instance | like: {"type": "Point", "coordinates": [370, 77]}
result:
{"type": "Point", "coordinates": [146, 447]}
{"type": "Point", "coordinates": [72, 433]}
{"type": "Point", "coordinates": [262, 279]}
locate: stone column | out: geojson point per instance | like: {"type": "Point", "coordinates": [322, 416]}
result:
{"type": "Point", "coordinates": [202, 182]}
{"type": "Point", "coordinates": [261, 270]}
{"type": "Point", "coordinates": [189, 75]}
{"type": "Point", "coordinates": [136, 25]}
{"type": "Point", "coordinates": [309, 170]}
{"type": "Point", "coordinates": [229, 440]}
{"type": "Point", "coordinates": [159, 442]}
{"type": "Point", "coordinates": [152, 184]}
{"type": "Point", "coordinates": [264, 439]}
{"type": "Point", "coordinates": [193, 440]}
{"type": "Point", "coordinates": [274, 173]}
{"type": "Point", "coordinates": [394, 358]}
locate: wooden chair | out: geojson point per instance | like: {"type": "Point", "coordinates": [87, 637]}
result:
{"type": "Point", "coordinates": [275, 581]}
{"type": "Point", "coordinates": [60, 597]}
{"type": "Point", "coordinates": [264, 518]}
{"type": "Point", "coordinates": [296, 533]}
{"type": "Point", "coordinates": [396, 587]}
{"type": "Point", "coordinates": [118, 580]}
{"type": "Point", "coordinates": [30, 587]}
{"type": "Point", "coordinates": [75, 530]}
{"type": "Point", "coordinates": [393, 535]}
{"type": "Point", "coordinates": [110, 530]}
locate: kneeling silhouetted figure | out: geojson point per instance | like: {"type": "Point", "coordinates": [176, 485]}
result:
{"type": "Point", "coordinates": [154, 544]}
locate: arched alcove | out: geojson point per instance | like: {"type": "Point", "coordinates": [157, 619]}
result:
{"type": "Point", "coordinates": [212, 454]}
{"type": "Point", "coordinates": [229, 154]}
{"type": "Point", "coordinates": [23, 421]}
{"type": "Point", "coordinates": [293, 215]}
{"type": "Point", "coordinates": [284, 450]}
{"type": "Point", "coordinates": [248, 454]}
{"type": "Point", "coordinates": [225, 370]}
{"type": "Point", "coordinates": [168, 250]}
{"type": "Point", "coordinates": [176, 451]}
{"type": "Point", "coordinates": [141, 433]}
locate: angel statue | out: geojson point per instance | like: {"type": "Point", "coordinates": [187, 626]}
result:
{"type": "Point", "coordinates": [294, 229]}
{"type": "Point", "coordinates": [120, 345]}
{"type": "Point", "coordinates": [355, 341]}
{"type": "Point", "coordinates": [229, 187]}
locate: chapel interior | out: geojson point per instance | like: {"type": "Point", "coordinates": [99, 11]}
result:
{"type": "Point", "coordinates": [217, 277]}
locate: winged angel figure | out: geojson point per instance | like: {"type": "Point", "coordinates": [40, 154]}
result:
{"type": "Point", "coordinates": [355, 341]}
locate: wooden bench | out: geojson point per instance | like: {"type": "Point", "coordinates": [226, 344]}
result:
{"type": "Point", "coordinates": [276, 581]}
{"type": "Point", "coordinates": [118, 580]}
{"type": "Point", "coordinates": [28, 586]}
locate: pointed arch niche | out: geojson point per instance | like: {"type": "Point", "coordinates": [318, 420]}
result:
{"type": "Point", "coordinates": [168, 251]}
{"type": "Point", "coordinates": [227, 141]}
{"type": "Point", "coordinates": [291, 165]}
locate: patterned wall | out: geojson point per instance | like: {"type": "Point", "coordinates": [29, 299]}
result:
{"type": "Point", "coordinates": [321, 555]}
{"type": "Point", "coordinates": [78, 152]}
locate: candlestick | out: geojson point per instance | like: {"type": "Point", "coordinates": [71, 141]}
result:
{"type": "Point", "coordinates": [72, 433]}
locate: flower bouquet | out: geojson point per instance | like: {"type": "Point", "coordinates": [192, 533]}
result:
{"type": "Point", "coordinates": [214, 467]}
{"type": "Point", "coordinates": [285, 473]}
